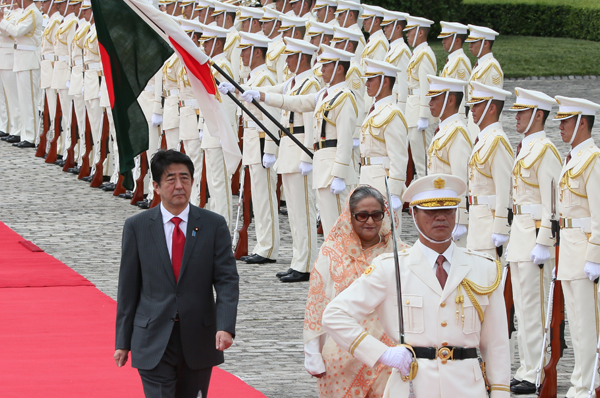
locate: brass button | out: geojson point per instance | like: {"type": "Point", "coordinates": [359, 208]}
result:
{"type": "Point", "coordinates": [445, 343]}
{"type": "Point", "coordinates": [407, 302]}
{"type": "Point", "coordinates": [443, 304]}
{"type": "Point", "coordinates": [444, 324]}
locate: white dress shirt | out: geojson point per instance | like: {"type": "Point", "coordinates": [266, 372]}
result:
{"type": "Point", "coordinates": [170, 227]}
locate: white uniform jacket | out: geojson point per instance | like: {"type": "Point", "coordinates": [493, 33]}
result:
{"type": "Point", "coordinates": [62, 50]}
{"type": "Point", "coordinates": [487, 71]}
{"type": "Point", "coordinates": [399, 55]}
{"type": "Point", "coordinates": [422, 63]}
{"type": "Point", "coordinates": [47, 49]}
{"type": "Point", "coordinates": [376, 48]}
{"type": "Point", "coordinates": [26, 28]}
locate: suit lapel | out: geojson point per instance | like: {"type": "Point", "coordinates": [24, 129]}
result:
{"type": "Point", "coordinates": [191, 237]}
{"type": "Point", "coordinates": [157, 230]}
{"type": "Point", "coordinates": [420, 267]}
{"type": "Point", "coordinates": [458, 270]}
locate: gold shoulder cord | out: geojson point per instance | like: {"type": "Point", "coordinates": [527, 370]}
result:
{"type": "Point", "coordinates": [471, 288]}
{"type": "Point", "coordinates": [370, 125]}
{"type": "Point", "coordinates": [482, 160]}
{"type": "Point", "coordinates": [521, 163]}
{"type": "Point", "coordinates": [571, 174]}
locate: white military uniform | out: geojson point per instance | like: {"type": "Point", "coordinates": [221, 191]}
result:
{"type": "Point", "coordinates": [486, 71]}
{"type": "Point", "coordinates": [430, 320]}
{"type": "Point", "coordinates": [9, 80]}
{"type": "Point", "coordinates": [170, 111]}
{"type": "Point", "coordinates": [579, 210]}
{"type": "Point", "coordinates": [399, 55]}
{"type": "Point", "coordinates": [232, 52]}
{"type": "Point", "coordinates": [275, 59]}
{"type": "Point", "coordinates": [47, 69]}
{"type": "Point", "coordinates": [26, 29]}
{"type": "Point", "coordinates": [76, 88]}
{"type": "Point", "coordinates": [376, 48]}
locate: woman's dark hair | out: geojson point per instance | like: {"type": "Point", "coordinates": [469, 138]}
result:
{"type": "Point", "coordinates": [163, 159]}
{"type": "Point", "coordinates": [363, 192]}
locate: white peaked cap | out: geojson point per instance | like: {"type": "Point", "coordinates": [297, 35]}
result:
{"type": "Point", "coordinates": [481, 33]}
{"type": "Point", "coordinates": [189, 25]}
{"type": "Point", "coordinates": [270, 14]}
{"type": "Point", "coordinates": [295, 46]}
{"type": "Point", "coordinates": [530, 99]}
{"type": "Point", "coordinates": [380, 68]}
{"type": "Point", "coordinates": [569, 107]}
{"type": "Point", "coordinates": [435, 191]}
{"type": "Point", "coordinates": [202, 4]}
{"type": "Point", "coordinates": [213, 31]}
{"type": "Point", "coordinates": [345, 5]}
{"type": "Point", "coordinates": [324, 3]}
{"type": "Point", "coordinates": [223, 7]}
{"type": "Point", "coordinates": [289, 22]}
{"type": "Point", "coordinates": [392, 16]}
{"type": "Point", "coordinates": [413, 22]}
{"type": "Point", "coordinates": [452, 28]}
{"type": "Point", "coordinates": [318, 28]}
{"type": "Point", "coordinates": [253, 40]}
{"type": "Point", "coordinates": [372, 11]}
{"type": "Point", "coordinates": [341, 34]}
{"type": "Point", "coordinates": [482, 92]}
{"type": "Point", "coordinates": [249, 12]}
{"type": "Point", "coordinates": [86, 4]}
{"type": "Point", "coordinates": [186, 2]}
{"type": "Point", "coordinates": [441, 85]}
{"type": "Point", "coordinates": [331, 54]}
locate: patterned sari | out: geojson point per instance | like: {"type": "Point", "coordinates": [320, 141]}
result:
{"type": "Point", "coordinates": [341, 261]}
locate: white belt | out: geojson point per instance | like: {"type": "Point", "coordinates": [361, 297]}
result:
{"type": "Point", "coordinates": [25, 48]}
{"type": "Point", "coordinates": [585, 224]}
{"type": "Point", "coordinates": [49, 57]}
{"type": "Point", "coordinates": [78, 62]}
{"type": "Point", "coordinates": [7, 45]}
{"type": "Point", "coordinates": [150, 87]}
{"type": "Point", "coordinates": [415, 91]}
{"type": "Point", "coordinates": [534, 210]}
{"type": "Point", "coordinates": [483, 200]}
{"type": "Point", "coordinates": [192, 103]}
{"type": "Point", "coordinates": [93, 66]}
{"type": "Point", "coordinates": [168, 93]}
{"type": "Point", "coordinates": [250, 124]}
{"type": "Point", "coordinates": [382, 160]}
{"type": "Point", "coordinates": [62, 57]}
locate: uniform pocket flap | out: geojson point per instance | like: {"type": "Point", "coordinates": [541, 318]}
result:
{"type": "Point", "coordinates": [412, 301]}
{"type": "Point", "coordinates": [141, 320]}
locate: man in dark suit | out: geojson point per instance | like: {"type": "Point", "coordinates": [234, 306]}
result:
{"type": "Point", "coordinates": [172, 257]}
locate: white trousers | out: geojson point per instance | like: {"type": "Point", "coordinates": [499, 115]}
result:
{"type": "Point", "coordinates": [96, 116]}
{"type": "Point", "coordinates": [146, 101]}
{"type": "Point", "coordinates": [28, 84]}
{"type": "Point", "coordinates": [581, 299]}
{"type": "Point", "coordinates": [172, 136]}
{"type": "Point", "coordinates": [11, 92]}
{"type": "Point", "coordinates": [263, 184]}
{"type": "Point", "coordinates": [64, 141]}
{"type": "Point", "coordinates": [419, 142]}
{"type": "Point", "coordinates": [192, 149]}
{"type": "Point", "coordinates": [530, 295]}
{"type": "Point", "coordinates": [113, 164]}
{"type": "Point", "coordinates": [330, 207]}
{"type": "Point", "coordinates": [3, 109]}
{"type": "Point", "coordinates": [50, 95]}
{"type": "Point", "coordinates": [80, 115]}
{"type": "Point", "coordinates": [219, 183]}
{"type": "Point", "coordinates": [300, 203]}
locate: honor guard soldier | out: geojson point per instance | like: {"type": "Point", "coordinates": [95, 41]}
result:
{"type": "Point", "coordinates": [250, 18]}
{"type": "Point", "coordinates": [275, 57]}
{"type": "Point", "coordinates": [224, 15]}
{"type": "Point", "coordinates": [318, 34]}
{"type": "Point", "coordinates": [384, 135]}
{"type": "Point", "coordinates": [579, 258]}
{"type": "Point", "coordinates": [348, 13]}
{"type": "Point", "coordinates": [324, 11]}
{"type": "Point", "coordinates": [451, 143]}
{"type": "Point", "coordinates": [203, 11]}
{"type": "Point", "coordinates": [284, 7]}
{"type": "Point", "coordinates": [294, 165]}
{"type": "Point", "coordinates": [451, 307]}
{"type": "Point", "coordinates": [26, 29]}
{"type": "Point", "coordinates": [458, 65]}
{"type": "Point", "coordinates": [487, 70]}
{"type": "Point", "coordinates": [217, 178]}
{"type": "Point", "coordinates": [334, 121]}
{"type": "Point", "coordinates": [260, 152]}
{"type": "Point", "coordinates": [537, 164]}
{"type": "Point", "coordinates": [399, 53]}
{"type": "Point", "coordinates": [490, 166]}
{"type": "Point", "coordinates": [301, 8]}
{"type": "Point", "coordinates": [292, 27]}
{"type": "Point", "coordinates": [422, 63]}
{"type": "Point", "coordinates": [12, 134]}
{"type": "Point", "coordinates": [377, 45]}
{"type": "Point", "coordinates": [187, 8]}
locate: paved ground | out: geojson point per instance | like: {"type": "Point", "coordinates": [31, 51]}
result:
{"type": "Point", "coordinates": [82, 227]}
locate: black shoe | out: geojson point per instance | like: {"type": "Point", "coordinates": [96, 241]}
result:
{"type": "Point", "coordinates": [87, 179]}
{"type": "Point", "coordinates": [244, 258]}
{"type": "Point", "coordinates": [284, 273]}
{"type": "Point", "coordinates": [13, 139]}
{"type": "Point", "coordinates": [524, 387]}
{"type": "Point", "coordinates": [60, 163]}
{"type": "Point", "coordinates": [3, 134]}
{"type": "Point", "coordinates": [283, 211]}
{"type": "Point", "coordinates": [74, 170]}
{"type": "Point", "coordinates": [514, 382]}
{"type": "Point", "coordinates": [296, 276]}
{"type": "Point", "coordinates": [24, 144]}
{"type": "Point", "coordinates": [256, 259]}
{"type": "Point", "coordinates": [144, 204]}
{"type": "Point", "coordinates": [127, 195]}
{"type": "Point", "coordinates": [59, 157]}
{"type": "Point", "coordinates": [106, 178]}
{"type": "Point", "coordinates": [104, 184]}
{"type": "Point", "coordinates": [109, 187]}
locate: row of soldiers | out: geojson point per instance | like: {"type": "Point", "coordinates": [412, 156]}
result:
{"type": "Point", "coordinates": [364, 110]}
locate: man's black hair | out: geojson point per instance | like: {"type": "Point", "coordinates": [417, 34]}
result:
{"type": "Point", "coordinates": [162, 159]}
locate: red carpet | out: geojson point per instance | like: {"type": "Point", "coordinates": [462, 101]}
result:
{"type": "Point", "coordinates": [57, 335]}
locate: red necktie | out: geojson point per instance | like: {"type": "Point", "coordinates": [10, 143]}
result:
{"type": "Point", "coordinates": [476, 141]}
{"type": "Point", "coordinates": [293, 82]}
{"type": "Point", "coordinates": [325, 95]}
{"type": "Point", "coordinates": [568, 157]}
{"type": "Point", "coordinates": [372, 108]}
{"type": "Point", "coordinates": [440, 272]}
{"type": "Point", "coordinates": [177, 246]}
{"type": "Point", "coordinates": [436, 130]}
{"type": "Point", "coordinates": [519, 147]}
{"type": "Point", "coordinates": [476, 63]}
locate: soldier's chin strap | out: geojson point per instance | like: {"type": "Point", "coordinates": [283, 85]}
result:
{"type": "Point", "coordinates": [452, 45]}
{"type": "Point", "coordinates": [393, 29]}
{"type": "Point", "coordinates": [272, 27]}
{"type": "Point", "coordinates": [333, 73]}
{"type": "Point", "coordinates": [530, 120]}
{"type": "Point", "coordinates": [575, 129]}
{"type": "Point", "coordinates": [480, 48]}
{"type": "Point", "coordinates": [345, 18]}
{"type": "Point", "coordinates": [416, 35]}
{"type": "Point", "coordinates": [380, 87]}
{"type": "Point", "coordinates": [175, 8]}
{"type": "Point", "coordinates": [445, 103]}
{"type": "Point", "coordinates": [301, 7]}
{"type": "Point", "coordinates": [251, 56]}
{"type": "Point", "coordinates": [427, 237]}
{"type": "Point", "coordinates": [489, 102]}
{"type": "Point", "coordinates": [212, 49]}
{"type": "Point", "coordinates": [298, 63]}
{"type": "Point", "coordinates": [206, 15]}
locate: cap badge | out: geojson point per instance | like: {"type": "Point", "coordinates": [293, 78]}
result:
{"type": "Point", "coordinates": [439, 183]}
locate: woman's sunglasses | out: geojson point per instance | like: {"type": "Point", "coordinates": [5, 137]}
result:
{"type": "Point", "coordinates": [363, 216]}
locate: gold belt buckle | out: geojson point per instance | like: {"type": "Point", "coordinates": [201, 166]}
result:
{"type": "Point", "coordinates": [446, 353]}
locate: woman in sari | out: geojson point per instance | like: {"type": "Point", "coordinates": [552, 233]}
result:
{"type": "Point", "coordinates": [361, 233]}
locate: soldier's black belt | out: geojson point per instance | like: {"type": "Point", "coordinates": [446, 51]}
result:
{"type": "Point", "coordinates": [445, 353]}
{"type": "Point", "coordinates": [295, 130]}
{"type": "Point", "coordinates": [325, 144]}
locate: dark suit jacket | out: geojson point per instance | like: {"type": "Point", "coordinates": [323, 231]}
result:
{"type": "Point", "coordinates": [148, 296]}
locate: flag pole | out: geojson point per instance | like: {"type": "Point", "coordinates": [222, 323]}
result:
{"type": "Point", "coordinates": [262, 109]}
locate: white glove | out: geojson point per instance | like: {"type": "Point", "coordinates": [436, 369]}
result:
{"type": "Point", "coordinates": [337, 186]}
{"type": "Point", "coordinates": [397, 357]}
{"type": "Point", "coordinates": [100, 94]}
{"type": "Point", "coordinates": [225, 88]}
{"type": "Point", "coordinates": [157, 119]}
{"type": "Point", "coordinates": [422, 123]}
{"type": "Point", "coordinates": [540, 254]}
{"type": "Point", "coordinates": [459, 232]}
{"type": "Point", "coordinates": [313, 360]}
{"type": "Point", "coordinates": [82, 89]}
{"type": "Point", "coordinates": [592, 270]}
{"type": "Point", "coordinates": [499, 239]}
{"type": "Point", "coordinates": [250, 95]}
{"type": "Point", "coordinates": [305, 168]}
{"type": "Point", "coordinates": [200, 134]}
{"type": "Point", "coordinates": [68, 84]}
{"type": "Point", "coordinates": [355, 142]}
{"type": "Point", "coordinates": [396, 202]}
{"type": "Point", "coordinates": [506, 252]}
{"type": "Point", "coordinates": [268, 160]}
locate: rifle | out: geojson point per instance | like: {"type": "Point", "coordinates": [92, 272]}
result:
{"type": "Point", "coordinates": [241, 248]}
{"type": "Point", "coordinates": [236, 230]}
{"type": "Point", "coordinates": [163, 145]}
{"type": "Point", "coordinates": [410, 173]}
{"type": "Point", "coordinates": [52, 152]}
{"type": "Point", "coordinates": [203, 184]}
{"type": "Point", "coordinates": [84, 167]}
{"type": "Point", "coordinates": [104, 140]}
{"type": "Point", "coordinates": [138, 193]}
{"type": "Point", "coordinates": [548, 388]}
{"type": "Point", "coordinates": [70, 160]}
{"type": "Point", "coordinates": [235, 178]}
{"type": "Point", "coordinates": [119, 188]}
{"type": "Point", "coordinates": [41, 149]}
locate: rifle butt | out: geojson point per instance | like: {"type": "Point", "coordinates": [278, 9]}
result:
{"type": "Point", "coordinates": [51, 156]}
{"type": "Point", "coordinates": [70, 160]}
{"type": "Point", "coordinates": [99, 174]}
{"type": "Point", "coordinates": [138, 193]}
{"type": "Point", "coordinates": [41, 149]}
{"type": "Point", "coordinates": [119, 189]}
{"type": "Point", "coordinates": [203, 185]}
{"type": "Point", "coordinates": [242, 245]}
{"type": "Point", "coordinates": [84, 167]}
